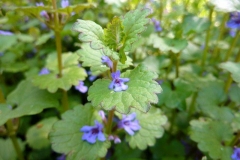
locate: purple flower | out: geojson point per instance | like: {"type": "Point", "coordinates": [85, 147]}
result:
{"type": "Point", "coordinates": [234, 22]}
{"type": "Point", "coordinates": [5, 33]}
{"type": "Point", "coordinates": [232, 32]}
{"type": "Point", "coordinates": [107, 60]}
{"type": "Point", "coordinates": [62, 157]}
{"type": "Point", "coordinates": [64, 3]}
{"type": "Point", "coordinates": [117, 83]}
{"type": "Point", "coordinates": [236, 154]}
{"type": "Point", "coordinates": [81, 88]}
{"type": "Point", "coordinates": [129, 123]}
{"type": "Point", "coordinates": [91, 133]}
{"type": "Point", "coordinates": [44, 71]}
{"type": "Point", "coordinates": [156, 25]}
{"type": "Point", "coordinates": [116, 139]}
{"type": "Point", "coordinates": [102, 114]}
{"type": "Point", "coordinates": [42, 13]}
{"type": "Point", "coordinates": [91, 77]}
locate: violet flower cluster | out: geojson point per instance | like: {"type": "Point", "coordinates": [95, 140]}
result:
{"type": "Point", "coordinates": [157, 26]}
{"type": "Point", "coordinates": [92, 133]}
{"type": "Point", "coordinates": [234, 23]}
{"type": "Point", "coordinates": [81, 87]}
{"type": "Point", "coordinates": [236, 154]}
{"type": "Point", "coordinates": [129, 124]}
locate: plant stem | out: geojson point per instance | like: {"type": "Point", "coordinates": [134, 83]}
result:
{"type": "Point", "coordinates": [235, 139]}
{"type": "Point", "coordinates": [205, 51]}
{"type": "Point", "coordinates": [228, 54]}
{"type": "Point", "coordinates": [11, 132]}
{"type": "Point", "coordinates": [12, 135]}
{"type": "Point", "coordinates": [192, 104]}
{"type": "Point", "coordinates": [177, 64]}
{"type": "Point", "coordinates": [57, 31]}
{"type": "Point", "coordinates": [222, 29]}
{"type": "Point", "coordinates": [109, 122]}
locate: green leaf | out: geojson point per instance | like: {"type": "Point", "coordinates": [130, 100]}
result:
{"type": "Point", "coordinates": [68, 60]}
{"type": "Point", "coordinates": [75, 8]}
{"type": "Point", "coordinates": [234, 94]}
{"type": "Point", "coordinates": [25, 38]}
{"type": "Point", "coordinates": [37, 135]}
{"type": "Point", "coordinates": [29, 101]}
{"type": "Point", "coordinates": [70, 76]}
{"type": "Point", "coordinates": [92, 58]}
{"type": "Point", "coordinates": [44, 38]}
{"type": "Point", "coordinates": [211, 137]}
{"type": "Point", "coordinates": [233, 68]}
{"type": "Point", "coordinates": [151, 128]}
{"type": "Point", "coordinates": [198, 25]}
{"type": "Point", "coordinates": [90, 32]}
{"type": "Point", "coordinates": [236, 123]}
{"type": "Point", "coordinates": [141, 92]}
{"type": "Point", "coordinates": [168, 44]}
{"type": "Point", "coordinates": [215, 90]}
{"type": "Point", "coordinates": [226, 5]}
{"type": "Point", "coordinates": [134, 23]}
{"type": "Point", "coordinates": [7, 42]}
{"type": "Point", "coordinates": [113, 34]}
{"type": "Point", "coordinates": [7, 151]}
{"type": "Point", "coordinates": [33, 10]}
{"type": "Point", "coordinates": [66, 136]}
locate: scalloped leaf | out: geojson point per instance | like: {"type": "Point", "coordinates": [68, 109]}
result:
{"type": "Point", "coordinates": [28, 99]}
{"type": "Point", "coordinates": [211, 137]}
{"type": "Point", "coordinates": [233, 68]}
{"type": "Point", "coordinates": [66, 136]}
{"type": "Point", "coordinates": [113, 34]}
{"type": "Point", "coordinates": [70, 76]}
{"type": "Point", "coordinates": [151, 128]}
{"type": "Point", "coordinates": [7, 151]}
{"type": "Point", "coordinates": [37, 135]}
{"type": "Point", "coordinates": [141, 92]}
{"type": "Point", "coordinates": [134, 23]}
{"type": "Point", "coordinates": [92, 58]}
{"type": "Point", "coordinates": [168, 44]}
{"type": "Point", "coordinates": [90, 32]}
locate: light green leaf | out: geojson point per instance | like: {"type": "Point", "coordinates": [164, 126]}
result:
{"type": "Point", "coordinates": [68, 60]}
{"type": "Point", "coordinates": [236, 123]}
{"type": "Point", "coordinates": [233, 68]}
{"type": "Point", "coordinates": [37, 135]}
{"type": "Point", "coordinates": [234, 94]}
{"type": "Point", "coordinates": [90, 32]}
{"type": "Point", "coordinates": [25, 38]}
{"type": "Point", "coordinates": [75, 8]}
{"type": "Point", "coordinates": [92, 58]}
{"type": "Point", "coordinates": [7, 151]}
{"type": "Point", "coordinates": [66, 136]}
{"type": "Point", "coordinates": [33, 10]}
{"type": "Point", "coordinates": [168, 44]}
{"type": "Point", "coordinates": [113, 34]}
{"type": "Point", "coordinates": [211, 137]}
{"type": "Point", "coordinates": [141, 92]}
{"type": "Point", "coordinates": [28, 99]}
{"type": "Point", "coordinates": [134, 23]}
{"type": "Point", "coordinates": [151, 128]}
{"type": "Point", "coordinates": [70, 76]}
{"type": "Point", "coordinates": [215, 90]}
{"type": "Point", "coordinates": [44, 38]}
{"type": "Point", "coordinates": [7, 42]}
{"type": "Point", "coordinates": [226, 5]}
{"type": "Point", "coordinates": [198, 25]}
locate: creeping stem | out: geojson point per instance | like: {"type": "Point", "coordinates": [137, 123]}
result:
{"type": "Point", "coordinates": [57, 31]}
{"type": "Point", "coordinates": [12, 132]}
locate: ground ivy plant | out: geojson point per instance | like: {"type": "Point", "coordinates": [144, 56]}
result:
{"type": "Point", "coordinates": [121, 102]}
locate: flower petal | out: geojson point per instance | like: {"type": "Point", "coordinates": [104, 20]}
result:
{"type": "Point", "coordinates": [101, 137]}
{"type": "Point", "coordinates": [86, 128]}
{"type": "Point", "coordinates": [128, 130]}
